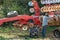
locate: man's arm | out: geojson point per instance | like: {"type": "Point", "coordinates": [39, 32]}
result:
{"type": "Point", "coordinates": [41, 18]}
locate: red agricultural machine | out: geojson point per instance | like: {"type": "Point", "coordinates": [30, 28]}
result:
{"type": "Point", "coordinates": [22, 19]}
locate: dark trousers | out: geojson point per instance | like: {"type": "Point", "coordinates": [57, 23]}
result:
{"type": "Point", "coordinates": [44, 31]}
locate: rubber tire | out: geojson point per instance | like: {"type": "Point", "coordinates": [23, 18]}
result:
{"type": "Point", "coordinates": [56, 33]}
{"type": "Point", "coordinates": [25, 28]}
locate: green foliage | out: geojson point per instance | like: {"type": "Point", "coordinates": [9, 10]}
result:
{"type": "Point", "coordinates": [18, 5]}
{"type": "Point", "coordinates": [1, 2]}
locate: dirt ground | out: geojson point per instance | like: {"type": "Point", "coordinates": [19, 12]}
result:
{"type": "Point", "coordinates": [17, 36]}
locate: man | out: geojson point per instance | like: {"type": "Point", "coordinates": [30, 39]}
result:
{"type": "Point", "coordinates": [44, 24]}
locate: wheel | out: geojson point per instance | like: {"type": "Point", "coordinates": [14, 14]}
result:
{"type": "Point", "coordinates": [56, 33]}
{"type": "Point", "coordinates": [25, 28]}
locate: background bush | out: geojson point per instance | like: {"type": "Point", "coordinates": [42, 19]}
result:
{"type": "Point", "coordinates": [15, 5]}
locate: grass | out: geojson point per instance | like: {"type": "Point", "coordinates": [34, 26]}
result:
{"type": "Point", "coordinates": [51, 28]}
{"type": "Point", "coordinates": [11, 32]}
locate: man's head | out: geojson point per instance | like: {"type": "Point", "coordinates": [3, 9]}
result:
{"type": "Point", "coordinates": [46, 14]}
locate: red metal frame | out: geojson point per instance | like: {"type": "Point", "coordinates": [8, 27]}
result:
{"type": "Point", "coordinates": [25, 17]}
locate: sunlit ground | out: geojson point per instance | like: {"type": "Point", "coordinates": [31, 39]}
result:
{"type": "Point", "coordinates": [11, 33]}
{"type": "Point", "coordinates": [18, 36]}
